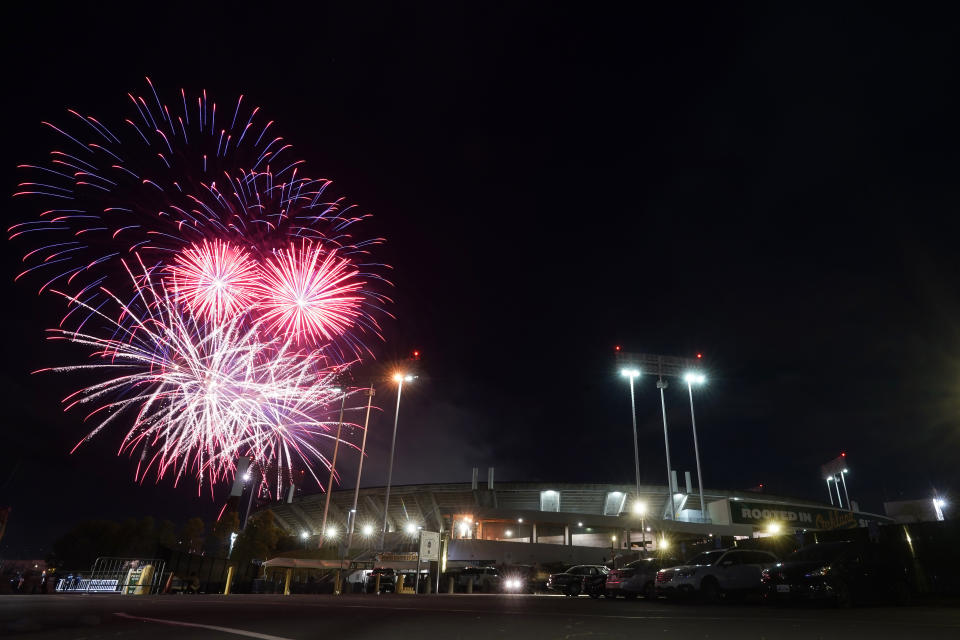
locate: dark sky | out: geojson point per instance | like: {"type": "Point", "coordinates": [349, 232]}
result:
{"type": "Point", "coordinates": [773, 187]}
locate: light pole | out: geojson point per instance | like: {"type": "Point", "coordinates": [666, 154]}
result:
{"type": "Point", "coordinates": [836, 483]}
{"type": "Point", "coordinates": [356, 490]}
{"type": "Point", "coordinates": [829, 491]}
{"type": "Point", "coordinates": [632, 374]}
{"type": "Point", "coordinates": [843, 479]}
{"type": "Point", "coordinates": [697, 378]}
{"type": "Point", "coordinates": [333, 468]}
{"type": "Point", "coordinates": [666, 445]}
{"type": "Point", "coordinates": [399, 378]}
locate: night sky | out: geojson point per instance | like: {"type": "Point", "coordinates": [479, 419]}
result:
{"type": "Point", "coordinates": [775, 188]}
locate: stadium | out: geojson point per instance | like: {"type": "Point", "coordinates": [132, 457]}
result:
{"type": "Point", "coordinates": [557, 521]}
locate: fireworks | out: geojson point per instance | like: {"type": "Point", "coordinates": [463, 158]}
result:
{"type": "Point", "coordinates": [214, 279]}
{"type": "Point", "coordinates": [306, 292]}
{"type": "Point", "coordinates": [200, 394]}
{"type": "Point", "coordinates": [200, 195]}
{"type": "Point", "coordinates": [252, 294]}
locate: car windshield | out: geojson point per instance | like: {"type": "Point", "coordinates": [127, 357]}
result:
{"type": "Point", "coordinates": [707, 558]}
{"type": "Point", "coordinates": [818, 553]}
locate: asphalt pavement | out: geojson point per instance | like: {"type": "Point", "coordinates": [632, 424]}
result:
{"type": "Point", "coordinates": [446, 617]}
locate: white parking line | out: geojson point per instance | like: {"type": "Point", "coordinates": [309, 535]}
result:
{"type": "Point", "coordinates": [177, 623]}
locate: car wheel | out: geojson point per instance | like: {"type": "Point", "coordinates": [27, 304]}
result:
{"type": "Point", "coordinates": [595, 594]}
{"type": "Point", "coordinates": [710, 591]}
{"type": "Point", "coordinates": [573, 590]}
{"type": "Point", "coordinates": [629, 595]}
{"type": "Point", "coordinates": [842, 595]}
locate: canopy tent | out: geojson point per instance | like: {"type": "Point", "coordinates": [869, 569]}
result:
{"type": "Point", "coordinates": [301, 563]}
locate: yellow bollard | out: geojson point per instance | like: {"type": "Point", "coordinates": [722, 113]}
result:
{"type": "Point", "coordinates": [450, 585]}
{"type": "Point", "coordinates": [226, 587]}
{"type": "Point", "coordinates": [336, 583]}
{"type": "Point", "coordinates": [376, 584]}
{"type": "Point", "coordinates": [399, 583]}
{"type": "Point", "coordinates": [286, 583]}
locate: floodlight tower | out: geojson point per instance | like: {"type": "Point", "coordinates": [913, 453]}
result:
{"type": "Point", "coordinates": [661, 367]}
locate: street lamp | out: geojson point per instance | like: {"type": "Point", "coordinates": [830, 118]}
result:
{"type": "Point", "coordinates": [399, 378]}
{"type": "Point", "coordinates": [633, 374]}
{"type": "Point", "coordinates": [692, 379]}
{"type": "Point", "coordinates": [640, 508]}
{"type": "Point", "coordinates": [410, 528]}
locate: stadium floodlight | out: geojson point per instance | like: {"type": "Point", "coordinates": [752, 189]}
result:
{"type": "Point", "coordinates": [632, 374]}
{"type": "Point", "coordinates": [399, 378]}
{"type": "Point", "coordinates": [691, 379]}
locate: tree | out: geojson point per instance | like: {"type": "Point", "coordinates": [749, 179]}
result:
{"type": "Point", "coordinates": [77, 549]}
{"type": "Point", "coordinates": [137, 538]}
{"type": "Point", "coordinates": [258, 540]}
{"type": "Point", "coordinates": [223, 528]}
{"type": "Point", "coordinates": [167, 534]}
{"type": "Point", "coordinates": [191, 536]}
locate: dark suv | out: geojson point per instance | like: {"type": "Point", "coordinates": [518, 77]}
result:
{"type": "Point", "coordinates": [844, 572]}
{"type": "Point", "coordinates": [582, 578]}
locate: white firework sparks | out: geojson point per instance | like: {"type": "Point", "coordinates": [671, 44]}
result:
{"type": "Point", "coordinates": [202, 394]}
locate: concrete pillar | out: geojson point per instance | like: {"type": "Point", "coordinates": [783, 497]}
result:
{"type": "Point", "coordinates": [566, 535]}
{"type": "Point", "coordinates": [286, 582]}
{"type": "Point", "coordinates": [533, 532]}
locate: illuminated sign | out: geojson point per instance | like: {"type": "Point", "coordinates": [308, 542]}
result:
{"type": "Point", "coordinates": [763, 513]}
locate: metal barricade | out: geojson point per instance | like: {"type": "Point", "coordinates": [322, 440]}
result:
{"type": "Point", "coordinates": [128, 576]}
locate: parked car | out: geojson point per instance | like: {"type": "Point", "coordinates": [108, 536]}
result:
{"type": "Point", "coordinates": [637, 578]}
{"type": "Point", "coordinates": [579, 579]}
{"type": "Point", "coordinates": [485, 579]}
{"type": "Point", "coordinates": [714, 574]}
{"type": "Point", "coordinates": [388, 580]}
{"type": "Point", "coordinates": [844, 572]}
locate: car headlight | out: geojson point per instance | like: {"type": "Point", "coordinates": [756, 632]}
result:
{"type": "Point", "coordinates": [686, 573]}
{"type": "Point", "coordinates": [822, 571]}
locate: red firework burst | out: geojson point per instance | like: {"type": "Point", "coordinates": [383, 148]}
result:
{"type": "Point", "coordinates": [309, 292]}
{"type": "Point", "coordinates": [215, 279]}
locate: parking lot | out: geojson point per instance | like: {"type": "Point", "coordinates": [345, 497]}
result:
{"type": "Point", "coordinates": [456, 616]}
